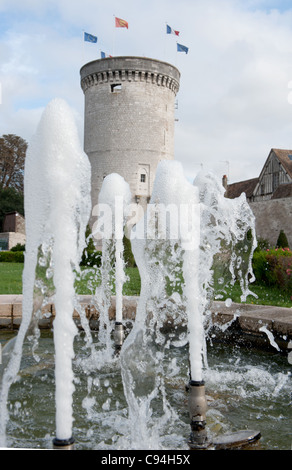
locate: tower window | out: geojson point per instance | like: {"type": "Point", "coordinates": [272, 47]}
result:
{"type": "Point", "coordinates": [143, 178]}
{"type": "Point", "coordinates": [116, 88]}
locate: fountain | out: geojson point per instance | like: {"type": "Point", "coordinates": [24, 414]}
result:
{"type": "Point", "coordinates": [57, 209]}
{"type": "Point", "coordinates": [184, 227]}
{"type": "Point", "coordinates": [114, 199]}
{"type": "Point", "coordinates": [190, 235]}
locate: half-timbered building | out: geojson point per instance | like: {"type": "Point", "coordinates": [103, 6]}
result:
{"type": "Point", "coordinates": [269, 196]}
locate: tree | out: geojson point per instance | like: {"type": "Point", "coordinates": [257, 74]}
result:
{"type": "Point", "coordinates": [12, 157]}
{"type": "Point", "coordinates": [282, 241]}
{"type": "Point", "coordinates": [10, 201]}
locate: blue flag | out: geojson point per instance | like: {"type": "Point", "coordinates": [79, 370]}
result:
{"type": "Point", "coordinates": [90, 38]}
{"type": "Point", "coordinates": [181, 48]}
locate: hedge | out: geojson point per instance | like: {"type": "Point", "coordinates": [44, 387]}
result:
{"type": "Point", "coordinates": [273, 267]}
{"type": "Point", "coordinates": [11, 257]}
{"type": "Point", "coordinates": [90, 258]}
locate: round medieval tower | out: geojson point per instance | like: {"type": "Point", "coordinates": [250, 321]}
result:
{"type": "Point", "coordinates": [129, 120]}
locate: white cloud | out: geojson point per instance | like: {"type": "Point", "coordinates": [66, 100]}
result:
{"type": "Point", "coordinates": [233, 99]}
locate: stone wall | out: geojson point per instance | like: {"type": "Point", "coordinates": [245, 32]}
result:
{"type": "Point", "coordinates": [271, 217]}
{"type": "Point", "coordinates": [10, 239]}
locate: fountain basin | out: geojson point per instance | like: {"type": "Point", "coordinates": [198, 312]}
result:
{"type": "Point", "coordinates": [242, 322]}
{"type": "Point", "coordinates": [246, 389]}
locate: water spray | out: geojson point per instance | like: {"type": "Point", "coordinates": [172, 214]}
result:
{"type": "Point", "coordinates": [114, 198]}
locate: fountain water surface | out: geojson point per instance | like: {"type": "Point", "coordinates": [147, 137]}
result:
{"type": "Point", "coordinates": [189, 237]}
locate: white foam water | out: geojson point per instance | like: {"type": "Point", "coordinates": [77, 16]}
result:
{"type": "Point", "coordinates": [57, 208]}
{"type": "Point", "coordinates": [113, 202]}
{"type": "Point", "coordinates": [115, 193]}
{"type": "Point", "coordinates": [188, 233]}
{"type": "Point", "coordinates": [184, 228]}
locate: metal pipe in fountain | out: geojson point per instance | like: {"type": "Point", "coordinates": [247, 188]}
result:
{"type": "Point", "coordinates": [199, 439]}
{"type": "Point", "coordinates": [119, 336]}
{"type": "Point", "coordinates": [63, 444]}
{"type": "Point", "coordinates": [197, 409]}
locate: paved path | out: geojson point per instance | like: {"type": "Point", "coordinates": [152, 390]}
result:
{"type": "Point", "coordinates": [248, 320]}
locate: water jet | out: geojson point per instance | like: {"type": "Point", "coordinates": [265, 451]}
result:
{"type": "Point", "coordinates": [189, 235]}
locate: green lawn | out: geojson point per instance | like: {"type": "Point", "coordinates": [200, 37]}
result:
{"type": "Point", "coordinates": [11, 283]}
{"type": "Point", "coordinates": [11, 280]}
{"type": "Point", "coordinates": [265, 295]}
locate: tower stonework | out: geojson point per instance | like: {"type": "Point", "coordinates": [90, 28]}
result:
{"type": "Point", "coordinates": [129, 120]}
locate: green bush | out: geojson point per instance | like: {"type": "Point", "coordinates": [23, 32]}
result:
{"type": "Point", "coordinates": [282, 241]}
{"type": "Point", "coordinates": [262, 244]}
{"type": "Point", "coordinates": [11, 257]}
{"type": "Point", "coordinates": [91, 258]}
{"type": "Point", "coordinates": [273, 267]}
{"type": "Point", "coordinates": [18, 247]}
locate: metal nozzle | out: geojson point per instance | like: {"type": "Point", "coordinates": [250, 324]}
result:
{"type": "Point", "coordinates": [63, 444]}
{"type": "Point", "coordinates": [197, 412]}
{"type": "Point", "coordinates": [197, 403]}
{"type": "Point", "coordinates": [119, 335]}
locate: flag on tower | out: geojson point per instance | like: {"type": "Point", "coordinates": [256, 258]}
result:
{"type": "Point", "coordinates": [90, 38]}
{"type": "Point", "coordinates": [170, 30]}
{"type": "Point", "coordinates": [104, 55]}
{"type": "Point", "coordinates": [121, 23]}
{"type": "Point", "coordinates": [181, 48]}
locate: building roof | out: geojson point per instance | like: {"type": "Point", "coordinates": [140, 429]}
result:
{"type": "Point", "coordinates": [284, 190]}
{"type": "Point", "coordinates": [236, 189]}
{"type": "Point", "coordinates": [248, 186]}
{"type": "Point", "coordinates": [285, 158]}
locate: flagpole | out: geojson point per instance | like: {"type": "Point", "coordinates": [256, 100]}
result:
{"type": "Point", "coordinates": [83, 47]}
{"type": "Point", "coordinates": [164, 46]}
{"type": "Point", "coordinates": [114, 34]}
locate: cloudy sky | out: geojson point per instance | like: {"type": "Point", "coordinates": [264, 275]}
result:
{"type": "Point", "coordinates": [235, 98]}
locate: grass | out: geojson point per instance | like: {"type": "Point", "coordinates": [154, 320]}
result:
{"type": "Point", "coordinates": [11, 280]}
{"type": "Point", "coordinates": [89, 280]}
{"type": "Point", "coordinates": [11, 283]}
{"type": "Point", "coordinates": [266, 295]}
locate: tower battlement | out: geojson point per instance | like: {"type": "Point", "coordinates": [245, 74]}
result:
{"type": "Point", "coordinates": [130, 69]}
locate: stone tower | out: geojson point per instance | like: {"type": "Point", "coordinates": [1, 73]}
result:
{"type": "Point", "coordinates": [129, 120]}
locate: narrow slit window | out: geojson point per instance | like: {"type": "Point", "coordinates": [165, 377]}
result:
{"type": "Point", "coordinates": [143, 178]}
{"type": "Point", "coordinates": [116, 88]}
